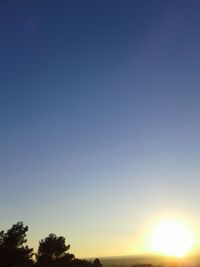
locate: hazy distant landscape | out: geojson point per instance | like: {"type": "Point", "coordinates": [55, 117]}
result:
{"type": "Point", "coordinates": [132, 260]}
{"type": "Point", "coordinates": [156, 260]}
{"type": "Point", "coordinates": [54, 252]}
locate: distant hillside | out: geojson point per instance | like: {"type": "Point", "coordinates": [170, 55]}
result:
{"type": "Point", "coordinates": [126, 261]}
{"type": "Point", "coordinates": [156, 260]}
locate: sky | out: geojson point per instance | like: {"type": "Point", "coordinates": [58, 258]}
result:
{"type": "Point", "coordinates": [99, 119]}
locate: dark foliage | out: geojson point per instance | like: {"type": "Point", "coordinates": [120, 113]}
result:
{"type": "Point", "coordinates": [13, 251]}
{"type": "Point", "coordinates": [81, 263]}
{"type": "Point", "coordinates": [52, 251]}
{"type": "Point", "coordinates": [97, 263]}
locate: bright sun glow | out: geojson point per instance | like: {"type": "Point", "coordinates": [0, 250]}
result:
{"type": "Point", "coordinates": [172, 239]}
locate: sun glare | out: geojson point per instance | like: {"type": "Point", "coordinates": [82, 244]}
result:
{"type": "Point", "coordinates": [172, 239]}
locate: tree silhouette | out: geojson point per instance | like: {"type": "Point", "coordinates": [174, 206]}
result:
{"type": "Point", "coordinates": [97, 263]}
{"type": "Point", "coordinates": [13, 251]}
{"type": "Point", "coordinates": [52, 252]}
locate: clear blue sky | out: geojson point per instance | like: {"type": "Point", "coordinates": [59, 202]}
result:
{"type": "Point", "coordinates": [100, 118]}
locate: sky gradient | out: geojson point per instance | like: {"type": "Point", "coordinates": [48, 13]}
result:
{"type": "Point", "coordinates": [100, 119]}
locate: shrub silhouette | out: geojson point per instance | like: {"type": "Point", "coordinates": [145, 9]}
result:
{"type": "Point", "coordinates": [97, 263]}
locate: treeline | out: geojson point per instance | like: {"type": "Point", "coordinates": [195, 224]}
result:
{"type": "Point", "coordinates": [52, 251]}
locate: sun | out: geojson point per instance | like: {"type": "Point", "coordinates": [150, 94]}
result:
{"type": "Point", "coordinates": [171, 238]}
